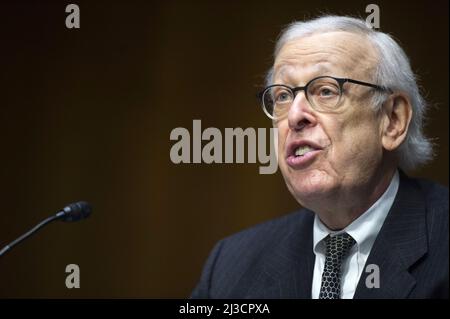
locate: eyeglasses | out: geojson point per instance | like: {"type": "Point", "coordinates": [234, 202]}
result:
{"type": "Point", "coordinates": [323, 93]}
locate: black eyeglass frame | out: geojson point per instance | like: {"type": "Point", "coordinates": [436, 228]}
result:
{"type": "Point", "coordinates": [340, 81]}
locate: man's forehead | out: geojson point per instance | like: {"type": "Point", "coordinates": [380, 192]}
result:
{"type": "Point", "coordinates": [289, 74]}
{"type": "Point", "coordinates": [326, 52]}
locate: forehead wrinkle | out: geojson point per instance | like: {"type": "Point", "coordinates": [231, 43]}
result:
{"type": "Point", "coordinates": [290, 74]}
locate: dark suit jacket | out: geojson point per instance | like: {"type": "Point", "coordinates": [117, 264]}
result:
{"type": "Point", "coordinates": [276, 260]}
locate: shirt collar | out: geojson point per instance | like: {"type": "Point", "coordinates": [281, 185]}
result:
{"type": "Point", "coordinates": [366, 227]}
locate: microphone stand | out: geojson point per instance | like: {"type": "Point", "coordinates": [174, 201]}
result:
{"type": "Point", "coordinates": [29, 233]}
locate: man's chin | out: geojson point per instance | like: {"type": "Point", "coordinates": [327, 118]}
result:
{"type": "Point", "coordinates": [307, 192]}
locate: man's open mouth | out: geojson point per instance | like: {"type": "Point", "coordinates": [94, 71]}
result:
{"type": "Point", "coordinates": [302, 150]}
{"type": "Point", "coordinates": [301, 153]}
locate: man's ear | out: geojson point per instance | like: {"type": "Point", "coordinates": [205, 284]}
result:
{"type": "Point", "coordinates": [397, 114]}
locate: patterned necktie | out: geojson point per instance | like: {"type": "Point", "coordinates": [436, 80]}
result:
{"type": "Point", "coordinates": [337, 248]}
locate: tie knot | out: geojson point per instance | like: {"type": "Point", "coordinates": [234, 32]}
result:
{"type": "Point", "coordinates": [338, 246]}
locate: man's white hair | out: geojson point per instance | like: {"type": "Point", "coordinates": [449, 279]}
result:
{"type": "Point", "coordinates": [393, 71]}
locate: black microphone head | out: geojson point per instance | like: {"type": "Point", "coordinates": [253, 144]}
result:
{"type": "Point", "coordinates": [75, 211]}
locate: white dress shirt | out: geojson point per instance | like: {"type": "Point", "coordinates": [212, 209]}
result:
{"type": "Point", "coordinates": [364, 231]}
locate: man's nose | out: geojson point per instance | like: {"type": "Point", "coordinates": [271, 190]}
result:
{"type": "Point", "coordinates": [301, 114]}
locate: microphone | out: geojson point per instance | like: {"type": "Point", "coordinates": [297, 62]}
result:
{"type": "Point", "coordinates": [71, 213]}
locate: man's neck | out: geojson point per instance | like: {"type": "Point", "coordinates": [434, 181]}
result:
{"type": "Point", "coordinates": [347, 207]}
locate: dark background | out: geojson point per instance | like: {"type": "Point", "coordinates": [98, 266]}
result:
{"type": "Point", "coordinates": [87, 113]}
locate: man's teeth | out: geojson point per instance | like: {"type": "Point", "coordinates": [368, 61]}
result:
{"type": "Point", "coordinates": [302, 150]}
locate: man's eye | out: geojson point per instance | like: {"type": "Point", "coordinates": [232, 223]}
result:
{"type": "Point", "coordinates": [327, 91]}
{"type": "Point", "coordinates": [282, 97]}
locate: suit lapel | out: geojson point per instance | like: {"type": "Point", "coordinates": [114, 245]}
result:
{"type": "Point", "coordinates": [288, 271]}
{"type": "Point", "coordinates": [402, 241]}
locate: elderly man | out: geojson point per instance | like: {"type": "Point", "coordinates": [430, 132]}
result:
{"type": "Point", "coordinates": [349, 116]}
